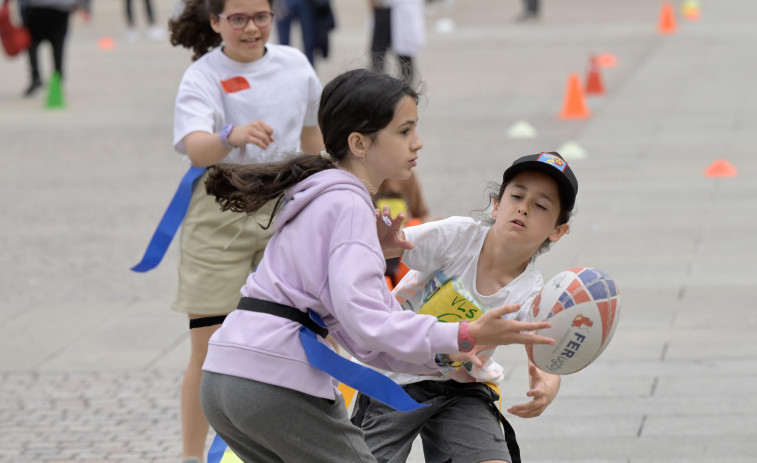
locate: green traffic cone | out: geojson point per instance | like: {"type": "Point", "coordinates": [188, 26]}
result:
{"type": "Point", "coordinates": [55, 93]}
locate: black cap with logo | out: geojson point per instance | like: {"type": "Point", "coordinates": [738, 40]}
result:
{"type": "Point", "coordinates": [552, 164]}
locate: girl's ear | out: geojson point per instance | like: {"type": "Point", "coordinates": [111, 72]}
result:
{"type": "Point", "coordinates": [215, 23]}
{"type": "Point", "coordinates": [495, 208]}
{"type": "Point", "coordinates": [559, 232]}
{"type": "Point", "coordinates": [358, 144]}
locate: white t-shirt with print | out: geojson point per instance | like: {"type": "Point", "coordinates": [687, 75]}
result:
{"type": "Point", "coordinates": [281, 89]}
{"type": "Point", "coordinates": [442, 282]}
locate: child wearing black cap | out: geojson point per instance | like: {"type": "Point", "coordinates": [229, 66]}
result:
{"type": "Point", "coordinates": [461, 267]}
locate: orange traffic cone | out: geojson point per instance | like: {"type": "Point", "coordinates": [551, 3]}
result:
{"type": "Point", "coordinates": [667, 23]}
{"type": "Point", "coordinates": [594, 85]}
{"type": "Point", "coordinates": [574, 106]}
{"type": "Point", "coordinates": [106, 43]}
{"type": "Point", "coordinates": [606, 60]}
{"type": "Point", "coordinates": [719, 169]}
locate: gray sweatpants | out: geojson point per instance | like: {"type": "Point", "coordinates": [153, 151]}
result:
{"type": "Point", "coordinates": [263, 423]}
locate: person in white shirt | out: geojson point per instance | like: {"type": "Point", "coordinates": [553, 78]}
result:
{"type": "Point", "coordinates": [246, 101]}
{"type": "Point", "coordinates": [460, 268]}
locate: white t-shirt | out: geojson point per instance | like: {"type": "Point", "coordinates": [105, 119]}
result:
{"type": "Point", "coordinates": [442, 282]}
{"type": "Point", "coordinates": [281, 89]}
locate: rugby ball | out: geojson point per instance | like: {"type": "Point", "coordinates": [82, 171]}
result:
{"type": "Point", "coordinates": [583, 307]}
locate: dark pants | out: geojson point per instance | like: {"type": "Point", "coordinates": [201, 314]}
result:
{"type": "Point", "coordinates": [130, 13]}
{"type": "Point", "coordinates": [46, 24]}
{"type": "Point", "coordinates": [460, 423]}
{"type": "Point", "coordinates": [302, 11]}
{"type": "Point", "coordinates": [381, 42]}
{"type": "Point", "coordinates": [531, 6]}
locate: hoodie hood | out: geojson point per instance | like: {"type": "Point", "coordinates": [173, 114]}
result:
{"type": "Point", "coordinates": [303, 193]}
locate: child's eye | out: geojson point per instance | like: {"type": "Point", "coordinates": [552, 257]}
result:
{"type": "Point", "coordinates": [516, 196]}
{"type": "Point", "coordinates": [541, 206]}
{"type": "Point", "coordinates": [405, 132]}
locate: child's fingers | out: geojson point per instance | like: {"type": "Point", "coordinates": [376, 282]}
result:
{"type": "Point", "coordinates": [504, 310]}
{"type": "Point", "coordinates": [530, 338]}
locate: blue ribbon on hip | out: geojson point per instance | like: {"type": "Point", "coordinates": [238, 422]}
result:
{"type": "Point", "coordinates": [170, 222]}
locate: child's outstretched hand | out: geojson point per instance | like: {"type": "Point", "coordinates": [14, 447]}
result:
{"type": "Point", "coordinates": [492, 329]}
{"type": "Point", "coordinates": [258, 133]}
{"type": "Point", "coordinates": [469, 357]}
{"type": "Point", "coordinates": [390, 234]}
{"type": "Point", "coordinates": [543, 389]}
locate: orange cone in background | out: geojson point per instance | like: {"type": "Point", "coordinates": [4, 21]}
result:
{"type": "Point", "coordinates": [594, 85]}
{"type": "Point", "coordinates": [606, 60]}
{"type": "Point", "coordinates": [667, 23]}
{"type": "Point", "coordinates": [574, 106]}
{"type": "Point", "coordinates": [106, 43]}
{"type": "Point", "coordinates": [720, 169]}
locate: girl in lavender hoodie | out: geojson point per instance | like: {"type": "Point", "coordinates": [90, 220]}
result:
{"type": "Point", "coordinates": [259, 390]}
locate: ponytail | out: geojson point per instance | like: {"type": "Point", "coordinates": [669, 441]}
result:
{"type": "Point", "coordinates": [248, 187]}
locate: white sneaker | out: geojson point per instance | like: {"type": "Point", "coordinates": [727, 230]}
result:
{"type": "Point", "coordinates": [155, 33]}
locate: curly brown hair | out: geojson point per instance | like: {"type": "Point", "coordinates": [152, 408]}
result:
{"type": "Point", "coordinates": [191, 29]}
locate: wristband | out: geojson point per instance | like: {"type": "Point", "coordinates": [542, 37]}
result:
{"type": "Point", "coordinates": [465, 341]}
{"type": "Point", "coordinates": [223, 135]}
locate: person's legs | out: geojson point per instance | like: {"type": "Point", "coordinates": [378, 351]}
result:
{"type": "Point", "coordinates": [284, 22]}
{"type": "Point", "coordinates": [149, 13]}
{"type": "Point", "coordinates": [35, 22]}
{"type": "Point", "coordinates": [58, 32]}
{"type": "Point", "coordinates": [131, 28]}
{"type": "Point", "coordinates": [390, 433]}
{"type": "Point", "coordinates": [381, 39]}
{"type": "Point", "coordinates": [468, 429]}
{"type": "Point", "coordinates": [263, 423]}
{"type": "Point", "coordinates": [407, 69]}
{"type": "Point", "coordinates": [194, 426]}
{"type": "Point", "coordinates": [129, 13]}
{"type": "Point", "coordinates": [154, 31]}
{"type": "Point", "coordinates": [218, 249]}
{"type": "Point", "coordinates": [530, 10]}
{"type": "Point", "coordinates": [306, 16]}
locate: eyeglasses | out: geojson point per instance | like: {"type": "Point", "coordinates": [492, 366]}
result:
{"type": "Point", "coordinates": [239, 21]}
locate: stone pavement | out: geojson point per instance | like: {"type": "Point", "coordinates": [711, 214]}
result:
{"type": "Point", "coordinates": [92, 358]}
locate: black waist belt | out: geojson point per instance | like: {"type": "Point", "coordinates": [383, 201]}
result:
{"type": "Point", "coordinates": [280, 310]}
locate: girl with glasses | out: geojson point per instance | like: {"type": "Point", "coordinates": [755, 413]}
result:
{"type": "Point", "coordinates": [244, 101]}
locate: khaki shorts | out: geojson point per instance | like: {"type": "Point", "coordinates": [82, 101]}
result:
{"type": "Point", "coordinates": [218, 250]}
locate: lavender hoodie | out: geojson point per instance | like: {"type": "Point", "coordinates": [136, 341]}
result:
{"type": "Point", "coordinates": [325, 256]}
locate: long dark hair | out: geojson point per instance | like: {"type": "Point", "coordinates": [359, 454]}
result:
{"type": "Point", "coordinates": [191, 28]}
{"type": "Point", "coordinates": [356, 101]}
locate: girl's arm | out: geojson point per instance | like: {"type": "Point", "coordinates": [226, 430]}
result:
{"type": "Point", "coordinates": [205, 149]}
{"type": "Point", "coordinates": [311, 140]}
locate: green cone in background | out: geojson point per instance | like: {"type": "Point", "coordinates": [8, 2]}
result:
{"type": "Point", "coordinates": [55, 93]}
